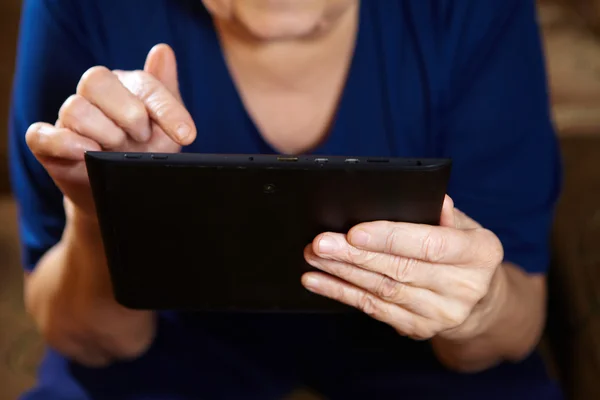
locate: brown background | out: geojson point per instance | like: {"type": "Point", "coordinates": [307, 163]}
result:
{"type": "Point", "coordinates": [573, 54]}
{"type": "Point", "coordinates": [9, 21]}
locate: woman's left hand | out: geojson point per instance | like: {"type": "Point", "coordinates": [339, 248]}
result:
{"type": "Point", "coordinates": [422, 280]}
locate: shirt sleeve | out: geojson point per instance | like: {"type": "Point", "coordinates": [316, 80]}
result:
{"type": "Point", "coordinates": [51, 58]}
{"type": "Point", "coordinates": [498, 130]}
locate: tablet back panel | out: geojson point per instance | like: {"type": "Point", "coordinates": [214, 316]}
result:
{"type": "Point", "coordinates": [227, 232]}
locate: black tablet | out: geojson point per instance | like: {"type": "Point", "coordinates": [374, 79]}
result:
{"type": "Point", "coordinates": [215, 232]}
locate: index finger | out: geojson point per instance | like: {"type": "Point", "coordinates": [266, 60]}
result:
{"type": "Point", "coordinates": [101, 88]}
{"type": "Point", "coordinates": [434, 244]}
{"type": "Point", "coordinates": [162, 106]}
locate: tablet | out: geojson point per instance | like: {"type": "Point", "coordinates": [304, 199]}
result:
{"type": "Point", "coordinates": [216, 232]}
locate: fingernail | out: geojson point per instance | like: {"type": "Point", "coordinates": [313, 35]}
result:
{"type": "Point", "coordinates": [183, 131]}
{"type": "Point", "coordinates": [360, 238]}
{"type": "Point", "coordinates": [311, 283]}
{"type": "Point", "coordinates": [327, 244]}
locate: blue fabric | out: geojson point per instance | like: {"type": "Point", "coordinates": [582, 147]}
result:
{"type": "Point", "coordinates": [457, 78]}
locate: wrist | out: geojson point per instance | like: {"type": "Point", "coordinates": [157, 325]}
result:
{"type": "Point", "coordinates": [79, 216]}
{"type": "Point", "coordinates": [84, 250]}
{"type": "Point", "coordinates": [82, 229]}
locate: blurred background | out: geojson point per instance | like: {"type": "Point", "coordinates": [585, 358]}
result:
{"type": "Point", "coordinates": [571, 345]}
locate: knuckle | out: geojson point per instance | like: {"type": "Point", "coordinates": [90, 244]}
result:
{"type": "Point", "coordinates": [478, 292]}
{"type": "Point", "coordinates": [373, 307]}
{"type": "Point", "coordinates": [340, 294]}
{"type": "Point", "coordinates": [367, 304]}
{"type": "Point", "coordinates": [73, 110]}
{"type": "Point", "coordinates": [137, 82]}
{"type": "Point", "coordinates": [134, 115]}
{"type": "Point", "coordinates": [454, 316]}
{"type": "Point", "coordinates": [417, 328]}
{"type": "Point", "coordinates": [472, 293]}
{"type": "Point", "coordinates": [142, 84]}
{"type": "Point", "coordinates": [158, 99]}
{"type": "Point", "coordinates": [433, 246]}
{"type": "Point", "coordinates": [402, 268]}
{"type": "Point", "coordinates": [496, 251]}
{"type": "Point", "coordinates": [115, 140]}
{"type": "Point", "coordinates": [91, 79]}
{"type": "Point", "coordinates": [470, 285]}
{"type": "Point", "coordinates": [390, 290]}
{"type": "Point", "coordinates": [421, 330]}
{"type": "Point", "coordinates": [407, 326]}
{"type": "Point", "coordinates": [359, 257]}
{"type": "Point", "coordinates": [423, 335]}
{"type": "Point", "coordinates": [73, 104]}
{"type": "Point", "coordinates": [391, 241]}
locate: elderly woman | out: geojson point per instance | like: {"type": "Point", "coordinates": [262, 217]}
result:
{"type": "Point", "coordinates": [452, 311]}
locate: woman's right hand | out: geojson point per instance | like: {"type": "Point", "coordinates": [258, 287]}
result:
{"type": "Point", "coordinates": [69, 294]}
{"type": "Point", "coordinates": [114, 111]}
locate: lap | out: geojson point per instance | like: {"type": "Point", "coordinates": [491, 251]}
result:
{"type": "Point", "coordinates": [391, 375]}
{"type": "Point", "coordinates": [432, 387]}
{"type": "Point", "coordinates": [266, 357]}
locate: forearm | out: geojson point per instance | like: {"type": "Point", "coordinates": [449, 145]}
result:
{"type": "Point", "coordinates": [505, 326]}
{"type": "Point", "coordinates": [69, 296]}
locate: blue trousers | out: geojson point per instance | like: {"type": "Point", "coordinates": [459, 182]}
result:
{"type": "Point", "coordinates": [268, 356]}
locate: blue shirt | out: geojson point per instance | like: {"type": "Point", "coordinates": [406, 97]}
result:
{"type": "Point", "coordinates": [430, 78]}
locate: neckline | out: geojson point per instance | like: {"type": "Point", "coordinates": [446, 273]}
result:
{"type": "Point", "coordinates": [335, 130]}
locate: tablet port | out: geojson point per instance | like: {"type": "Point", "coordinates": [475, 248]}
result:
{"type": "Point", "coordinates": [321, 160]}
{"type": "Point", "coordinates": [287, 159]}
{"type": "Point", "coordinates": [352, 161]}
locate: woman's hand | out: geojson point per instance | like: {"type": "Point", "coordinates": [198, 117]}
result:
{"type": "Point", "coordinates": [115, 111]}
{"type": "Point", "coordinates": [424, 281]}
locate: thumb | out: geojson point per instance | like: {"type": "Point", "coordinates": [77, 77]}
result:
{"type": "Point", "coordinates": [162, 64]}
{"type": "Point", "coordinates": [452, 217]}
{"type": "Point", "coordinates": [448, 218]}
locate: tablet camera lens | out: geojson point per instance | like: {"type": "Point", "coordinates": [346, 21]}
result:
{"type": "Point", "coordinates": [269, 188]}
